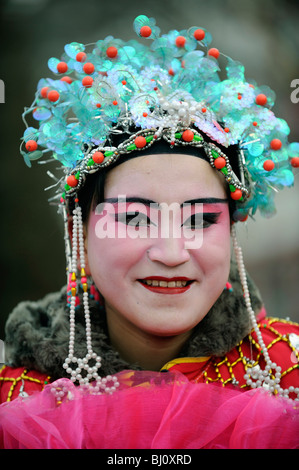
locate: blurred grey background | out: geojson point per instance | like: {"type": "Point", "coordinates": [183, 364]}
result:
{"type": "Point", "coordinates": [262, 34]}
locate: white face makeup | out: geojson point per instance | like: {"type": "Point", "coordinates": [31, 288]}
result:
{"type": "Point", "coordinates": [155, 284]}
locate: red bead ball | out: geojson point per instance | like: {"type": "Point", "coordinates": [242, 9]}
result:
{"type": "Point", "coordinates": [62, 67]}
{"type": "Point", "coordinates": [236, 195]}
{"type": "Point", "coordinates": [72, 181]}
{"type": "Point", "coordinates": [199, 34]}
{"type": "Point", "coordinates": [53, 96]}
{"type": "Point", "coordinates": [268, 165]}
{"type": "Point", "coordinates": [275, 144]}
{"type": "Point", "coordinates": [295, 162]}
{"type": "Point", "coordinates": [88, 68]}
{"type": "Point", "coordinates": [81, 57]}
{"type": "Point", "coordinates": [111, 52]}
{"type": "Point", "coordinates": [98, 157]}
{"type": "Point", "coordinates": [145, 31]}
{"type": "Point", "coordinates": [140, 142]}
{"type": "Point", "coordinates": [188, 135]}
{"type": "Point", "coordinates": [220, 163]}
{"type": "Point", "coordinates": [44, 92]}
{"type": "Point", "coordinates": [214, 52]}
{"type": "Point", "coordinates": [180, 41]}
{"type": "Point", "coordinates": [31, 145]}
{"type": "Point", "coordinates": [87, 82]}
{"type": "Point", "coordinates": [261, 99]}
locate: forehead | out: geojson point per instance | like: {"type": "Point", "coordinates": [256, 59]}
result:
{"type": "Point", "coordinates": [165, 177]}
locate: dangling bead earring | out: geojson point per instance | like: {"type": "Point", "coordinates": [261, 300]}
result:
{"type": "Point", "coordinates": [90, 371]}
{"type": "Point", "coordinates": [256, 377]}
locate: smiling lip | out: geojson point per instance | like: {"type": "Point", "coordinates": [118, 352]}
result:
{"type": "Point", "coordinates": [166, 285]}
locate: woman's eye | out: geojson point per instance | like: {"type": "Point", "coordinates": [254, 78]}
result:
{"type": "Point", "coordinates": [202, 220]}
{"type": "Point", "coordinates": [135, 219]}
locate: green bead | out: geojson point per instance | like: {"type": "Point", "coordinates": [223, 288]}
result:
{"type": "Point", "coordinates": [149, 138]}
{"type": "Point", "coordinates": [67, 187]}
{"type": "Point", "coordinates": [77, 175]}
{"type": "Point", "coordinates": [198, 138]}
{"type": "Point", "coordinates": [232, 188]}
{"type": "Point", "coordinates": [109, 153]}
{"type": "Point", "coordinates": [214, 153]}
{"type": "Point", "coordinates": [224, 170]}
{"type": "Point", "coordinates": [178, 135]}
{"type": "Point", "coordinates": [90, 162]}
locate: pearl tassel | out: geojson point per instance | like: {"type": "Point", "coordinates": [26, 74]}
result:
{"type": "Point", "coordinates": [256, 378]}
{"type": "Point", "coordinates": [91, 371]}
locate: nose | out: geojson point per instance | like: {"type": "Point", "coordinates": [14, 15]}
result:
{"type": "Point", "coordinates": [169, 251]}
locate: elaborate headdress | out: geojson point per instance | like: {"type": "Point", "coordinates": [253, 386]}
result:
{"type": "Point", "coordinates": [168, 90]}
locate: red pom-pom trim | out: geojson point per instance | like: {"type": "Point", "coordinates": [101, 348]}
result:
{"type": "Point", "coordinates": [219, 163]}
{"type": "Point", "coordinates": [62, 67]}
{"type": "Point", "coordinates": [53, 96]}
{"type": "Point", "coordinates": [236, 195]}
{"type": "Point", "coordinates": [295, 162]}
{"type": "Point", "coordinates": [140, 142]}
{"type": "Point", "coordinates": [81, 57]}
{"type": "Point", "coordinates": [268, 165]}
{"type": "Point", "coordinates": [88, 68]}
{"type": "Point", "coordinates": [180, 41]}
{"type": "Point", "coordinates": [72, 181]}
{"type": "Point", "coordinates": [87, 82]}
{"type": "Point", "coordinates": [44, 92]}
{"type": "Point", "coordinates": [214, 52]}
{"type": "Point", "coordinates": [188, 136]}
{"type": "Point", "coordinates": [66, 79]}
{"type": "Point", "coordinates": [98, 157]}
{"type": "Point", "coordinates": [261, 99]}
{"type": "Point", "coordinates": [275, 144]}
{"type": "Point", "coordinates": [199, 34]}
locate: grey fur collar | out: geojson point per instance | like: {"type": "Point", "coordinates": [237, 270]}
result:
{"type": "Point", "coordinates": [37, 332]}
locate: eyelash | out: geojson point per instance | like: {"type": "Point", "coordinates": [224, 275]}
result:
{"type": "Point", "coordinates": [207, 219]}
{"type": "Point", "coordinates": [124, 216]}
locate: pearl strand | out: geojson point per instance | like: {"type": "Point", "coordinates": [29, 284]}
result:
{"type": "Point", "coordinates": [258, 378]}
{"type": "Point", "coordinates": [101, 385]}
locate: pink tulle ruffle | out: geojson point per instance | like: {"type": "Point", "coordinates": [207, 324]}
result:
{"type": "Point", "coordinates": [151, 411]}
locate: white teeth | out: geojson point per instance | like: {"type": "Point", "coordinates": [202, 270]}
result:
{"type": "Point", "coordinates": [155, 283]}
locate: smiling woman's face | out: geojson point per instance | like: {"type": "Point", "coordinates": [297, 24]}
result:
{"type": "Point", "coordinates": [127, 269]}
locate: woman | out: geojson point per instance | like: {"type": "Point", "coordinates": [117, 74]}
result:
{"type": "Point", "coordinates": [176, 334]}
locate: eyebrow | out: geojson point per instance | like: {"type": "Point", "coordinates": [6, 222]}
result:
{"type": "Point", "coordinates": [148, 202]}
